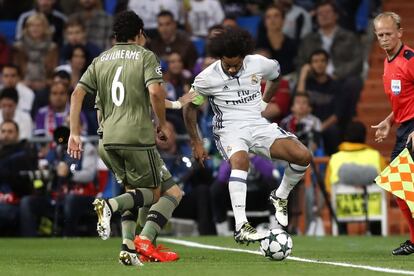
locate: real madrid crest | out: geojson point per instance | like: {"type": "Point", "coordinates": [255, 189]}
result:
{"type": "Point", "coordinates": [254, 79]}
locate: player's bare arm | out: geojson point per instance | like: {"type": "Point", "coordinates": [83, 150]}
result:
{"type": "Point", "coordinates": [157, 97]}
{"type": "Point", "coordinates": [269, 91]}
{"type": "Point", "coordinates": [190, 120]}
{"type": "Point", "coordinates": [181, 102]}
{"type": "Point", "coordinates": [74, 142]}
{"type": "Point", "coordinates": [383, 128]}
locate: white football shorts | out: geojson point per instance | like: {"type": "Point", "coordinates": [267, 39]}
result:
{"type": "Point", "coordinates": [255, 137]}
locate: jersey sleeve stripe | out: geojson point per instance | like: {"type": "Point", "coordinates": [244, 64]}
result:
{"type": "Point", "coordinates": [150, 81]}
{"type": "Point", "coordinates": [90, 89]}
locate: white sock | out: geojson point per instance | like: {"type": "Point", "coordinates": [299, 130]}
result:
{"type": "Point", "coordinates": [238, 192]}
{"type": "Point", "coordinates": [293, 174]}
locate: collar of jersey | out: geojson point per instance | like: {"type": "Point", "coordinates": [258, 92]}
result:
{"type": "Point", "coordinates": [225, 76]}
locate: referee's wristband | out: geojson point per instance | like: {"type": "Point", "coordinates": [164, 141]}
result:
{"type": "Point", "coordinates": [176, 105]}
{"type": "Point", "coordinates": [263, 105]}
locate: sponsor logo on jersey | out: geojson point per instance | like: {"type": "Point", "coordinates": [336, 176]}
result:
{"type": "Point", "coordinates": [396, 87]}
{"type": "Point", "coordinates": [226, 88]}
{"type": "Point", "coordinates": [229, 149]}
{"type": "Point", "coordinates": [254, 79]}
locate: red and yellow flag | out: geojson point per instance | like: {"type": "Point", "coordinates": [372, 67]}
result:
{"type": "Point", "coordinates": [398, 178]}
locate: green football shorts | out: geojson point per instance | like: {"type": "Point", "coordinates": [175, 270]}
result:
{"type": "Point", "coordinates": [137, 168]}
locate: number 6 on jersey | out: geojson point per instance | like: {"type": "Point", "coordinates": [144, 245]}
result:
{"type": "Point", "coordinates": [116, 84]}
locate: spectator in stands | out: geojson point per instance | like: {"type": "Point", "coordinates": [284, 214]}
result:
{"type": "Point", "coordinates": [352, 151]}
{"type": "Point", "coordinates": [178, 82]}
{"type": "Point", "coordinates": [75, 34]}
{"type": "Point", "coordinates": [36, 53]}
{"type": "Point", "coordinates": [344, 48]}
{"type": "Point", "coordinates": [73, 190]}
{"type": "Point", "coordinates": [8, 112]}
{"type": "Point", "coordinates": [302, 123]}
{"type": "Point", "coordinates": [55, 19]}
{"type": "Point", "coordinates": [10, 78]}
{"type": "Point", "coordinates": [326, 97]}
{"type": "Point", "coordinates": [16, 159]}
{"type": "Point", "coordinates": [298, 22]}
{"type": "Point", "coordinates": [76, 180]}
{"type": "Point", "coordinates": [149, 10]}
{"type": "Point", "coordinates": [169, 40]}
{"type": "Point", "coordinates": [42, 96]}
{"type": "Point", "coordinates": [281, 47]}
{"type": "Point", "coordinates": [200, 15]}
{"type": "Point", "coordinates": [76, 65]}
{"type": "Point", "coordinates": [54, 115]}
{"type": "Point", "coordinates": [229, 22]}
{"type": "Point", "coordinates": [97, 22]}
{"type": "Point", "coordinates": [342, 45]}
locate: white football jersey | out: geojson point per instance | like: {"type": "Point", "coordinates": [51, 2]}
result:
{"type": "Point", "coordinates": [236, 99]}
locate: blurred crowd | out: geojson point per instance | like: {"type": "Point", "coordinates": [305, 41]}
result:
{"type": "Point", "coordinates": [320, 45]}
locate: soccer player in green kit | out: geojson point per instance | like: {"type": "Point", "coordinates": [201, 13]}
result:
{"type": "Point", "coordinates": [127, 79]}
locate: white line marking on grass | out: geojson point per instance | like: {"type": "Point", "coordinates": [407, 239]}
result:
{"type": "Point", "coordinates": [220, 248]}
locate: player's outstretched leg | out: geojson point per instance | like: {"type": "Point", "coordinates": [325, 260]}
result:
{"type": "Point", "coordinates": [129, 200]}
{"type": "Point", "coordinates": [298, 158]}
{"type": "Point", "coordinates": [158, 216]}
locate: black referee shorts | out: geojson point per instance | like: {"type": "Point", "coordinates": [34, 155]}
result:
{"type": "Point", "coordinates": [402, 134]}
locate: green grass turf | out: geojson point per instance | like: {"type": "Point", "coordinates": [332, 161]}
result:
{"type": "Point", "coordinates": [92, 256]}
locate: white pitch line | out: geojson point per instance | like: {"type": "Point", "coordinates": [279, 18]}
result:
{"type": "Point", "coordinates": [220, 248]}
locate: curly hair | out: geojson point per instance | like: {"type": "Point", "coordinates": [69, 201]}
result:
{"type": "Point", "coordinates": [127, 25]}
{"type": "Point", "coordinates": [231, 42]}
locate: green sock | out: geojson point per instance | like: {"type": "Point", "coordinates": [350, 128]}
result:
{"type": "Point", "coordinates": [131, 199]}
{"type": "Point", "coordinates": [128, 225]}
{"type": "Point", "coordinates": [158, 216]}
{"type": "Point", "coordinates": [142, 218]}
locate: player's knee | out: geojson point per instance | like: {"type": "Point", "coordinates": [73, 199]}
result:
{"type": "Point", "coordinates": [156, 193]}
{"type": "Point", "coordinates": [303, 157]}
{"type": "Point", "coordinates": [240, 161]}
{"type": "Point", "coordinates": [176, 192]}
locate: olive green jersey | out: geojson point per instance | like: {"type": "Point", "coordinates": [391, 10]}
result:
{"type": "Point", "coordinates": [119, 77]}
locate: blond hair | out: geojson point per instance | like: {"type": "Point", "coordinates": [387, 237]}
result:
{"type": "Point", "coordinates": [392, 15]}
{"type": "Point", "coordinates": [38, 17]}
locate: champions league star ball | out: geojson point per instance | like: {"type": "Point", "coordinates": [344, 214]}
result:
{"type": "Point", "coordinates": [277, 245]}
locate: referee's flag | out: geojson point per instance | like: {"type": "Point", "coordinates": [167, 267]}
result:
{"type": "Point", "coordinates": [398, 178]}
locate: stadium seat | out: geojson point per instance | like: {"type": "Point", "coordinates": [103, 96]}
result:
{"type": "Point", "coordinates": [249, 23]}
{"type": "Point", "coordinates": [199, 43]}
{"type": "Point", "coordinates": [8, 29]}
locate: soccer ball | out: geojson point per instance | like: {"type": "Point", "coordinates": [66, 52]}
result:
{"type": "Point", "coordinates": [277, 245]}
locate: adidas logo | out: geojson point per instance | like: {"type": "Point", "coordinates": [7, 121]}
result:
{"type": "Point", "coordinates": [226, 87]}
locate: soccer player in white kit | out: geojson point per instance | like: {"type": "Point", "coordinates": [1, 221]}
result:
{"type": "Point", "coordinates": [232, 87]}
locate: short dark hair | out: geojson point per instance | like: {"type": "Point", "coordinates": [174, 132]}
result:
{"type": "Point", "coordinates": [355, 132]}
{"type": "Point", "coordinates": [16, 126]}
{"type": "Point", "coordinates": [14, 66]}
{"type": "Point", "coordinates": [331, 3]}
{"type": "Point", "coordinates": [72, 22]}
{"type": "Point", "coordinates": [9, 93]}
{"type": "Point", "coordinates": [278, 7]}
{"type": "Point", "coordinates": [319, 52]}
{"type": "Point", "coordinates": [127, 25]}
{"type": "Point", "coordinates": [166, 13]}
{"type": "Point", "coordinates": [231, 42]}
{"type": "Point", "coordinates": [62, 74]}
{"type": "Point", "coordinates": [302, 94]}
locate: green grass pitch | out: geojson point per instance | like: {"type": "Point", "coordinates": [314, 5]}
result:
{"type": "Point", "coordinates": [92, 256]}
